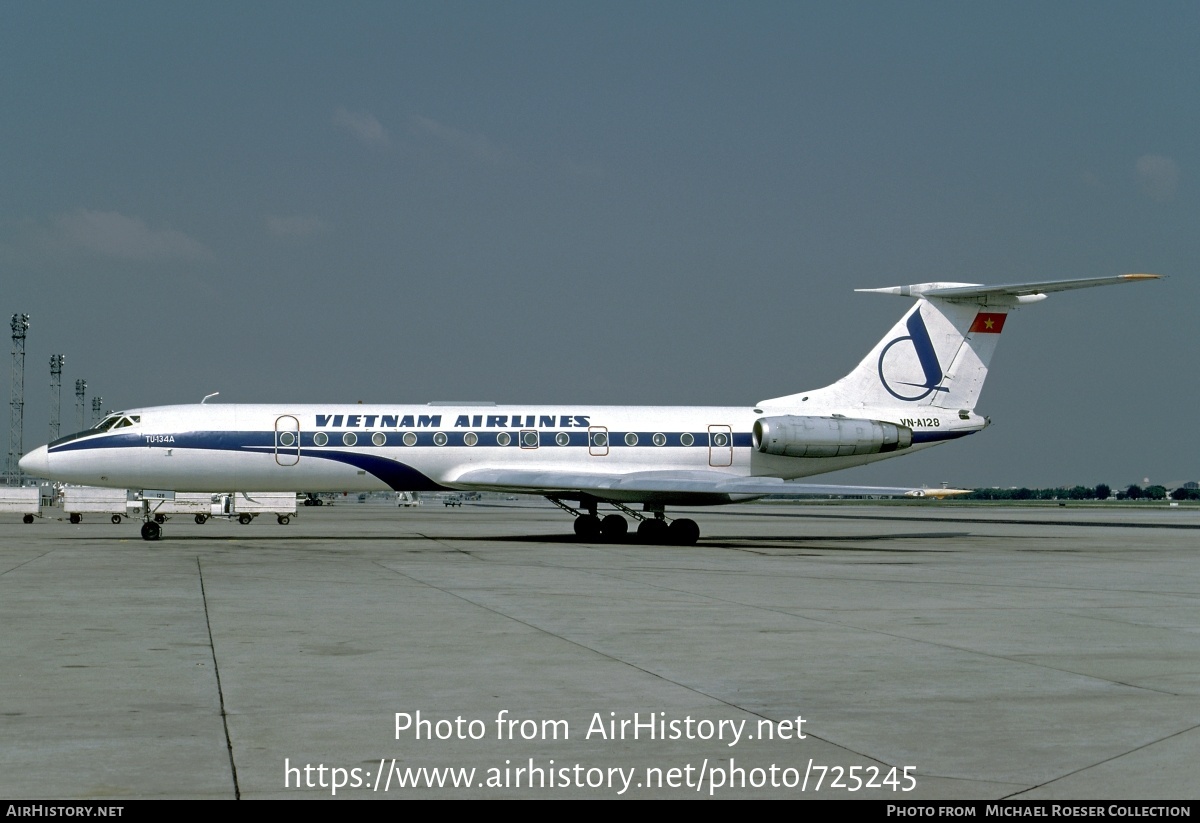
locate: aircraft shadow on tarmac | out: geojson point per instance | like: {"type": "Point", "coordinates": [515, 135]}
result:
{"type": "Point", "coordinates": [804, 541]}
{"type": "Point", "coordinates": [722, 541]}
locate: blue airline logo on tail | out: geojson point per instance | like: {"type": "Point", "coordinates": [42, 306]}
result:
{"type": "Point", "coordinates": [926, 356]}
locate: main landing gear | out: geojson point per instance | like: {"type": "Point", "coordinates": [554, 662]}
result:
{"type": "Point", "coordinates": [653, 530]}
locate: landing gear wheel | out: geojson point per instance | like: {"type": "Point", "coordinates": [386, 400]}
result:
{"type": "Point", "coordinates": [200, 518]}
{"type": "Point", "coordinates": [587, 526]}
{"type": "Point", "coordinates": [151, 530]}
{"type": "Point", "coordinates": [245, 519]}
{"type": "Point", "coordinates": [653, 531]}
{"type": "Point", "coordinates": [283, 519]}
{"type": "Point", "coordinates": [684, 532]}
{"type": "Point", "coordinates": [308, 501]}
{"type": "Point", "coordinates": [116, 519]}
{"type": "Point", "coordinates": [29, 518]}
{"type": "Point", "coordinates": [318, 502]}
{"type": "Point", "coordinates": [160, 519]}
{"type": "Point", "coordinates": [75, 517]}
{"type": "Point", "coordinates": [614, 527]}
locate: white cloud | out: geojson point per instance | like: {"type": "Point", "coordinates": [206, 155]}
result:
{"type": "Point", "coordinates": [473, 145]}
{"type": "Point", "coordinates": [110, 234]}
{"type": "Point", "coordinates": [1157, 176]}
{"type": "Point", "coordinates": [362, 125]}
{"type": "Point", "coordinates": [294, 226]}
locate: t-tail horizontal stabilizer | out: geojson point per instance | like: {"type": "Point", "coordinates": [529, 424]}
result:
{"type": "Point", "coordinates": [937, 355]}
{"type": "Point", "coordinates": [1011, 294]}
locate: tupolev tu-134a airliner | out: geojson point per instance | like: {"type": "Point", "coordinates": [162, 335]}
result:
{"type": "Point", "coordinates": [917, 387]}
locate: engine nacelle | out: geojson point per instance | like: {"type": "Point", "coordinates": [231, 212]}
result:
{"type": "Point", "coordinates": [798, 436]}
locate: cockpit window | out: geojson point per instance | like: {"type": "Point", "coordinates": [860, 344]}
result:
{"type": "Point", "coordinates": [107, 423]}
{"type": "Point", "coordinates": [117, 421]}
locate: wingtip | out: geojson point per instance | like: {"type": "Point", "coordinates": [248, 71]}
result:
{"type": "Point", "coordinates": [1141, 277]}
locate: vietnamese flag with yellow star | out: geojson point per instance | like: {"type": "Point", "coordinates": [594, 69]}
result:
{"type": "Point", "coordinates": [987, 322]}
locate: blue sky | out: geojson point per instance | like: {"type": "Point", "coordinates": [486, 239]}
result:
{"type": "Point", "coordinates": [608, 203]}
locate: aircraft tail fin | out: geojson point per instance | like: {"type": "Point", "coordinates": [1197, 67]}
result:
{"type": "Point", "coordinates": [937, 355]}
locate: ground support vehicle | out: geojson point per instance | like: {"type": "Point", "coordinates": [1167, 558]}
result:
{"type": "Point", "coordinates": [23, 500]}
{"type": "Point", "coordinates": [197, 504]}
{"type": "Point", "coordinates": [245, 506]}
{"type": "Point", "coordinates": [116, 503]}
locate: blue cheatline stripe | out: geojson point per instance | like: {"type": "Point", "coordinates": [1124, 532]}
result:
{"type": "Point", "coordinates": [259, 440]}
{"type": "Point", "coordinates": [217, 441]}
{"type": "Point", "coordinates": [394, 473]}
{"type": "Point", "coordinates": [400, 476]}
{"type": "Point", "coordinates": [397, 475]}
{"type": "Point", "coordinates": [239, 440]}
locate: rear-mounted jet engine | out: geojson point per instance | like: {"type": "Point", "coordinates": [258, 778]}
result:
{"type": "Point", "coordinates": [799, 436]}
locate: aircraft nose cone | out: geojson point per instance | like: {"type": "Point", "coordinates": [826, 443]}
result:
{"type": "Point", "coordinates": [37, 462]}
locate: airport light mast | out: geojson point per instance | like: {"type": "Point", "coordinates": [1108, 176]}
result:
{"type": "Point", "coordinates": [80, 394]}
{"type": "Point", "coordinates": [56, 364]}
{"type": "Point", "coordinates": [16, 428]}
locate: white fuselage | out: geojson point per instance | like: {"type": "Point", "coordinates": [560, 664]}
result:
{"type": "Point", "coordinates": [425, 447]}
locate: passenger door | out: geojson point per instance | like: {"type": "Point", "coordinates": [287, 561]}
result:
{"type": "Point", "coordinates": [287, 440]}
{"type": "Point", "coordinates": [720, 446]}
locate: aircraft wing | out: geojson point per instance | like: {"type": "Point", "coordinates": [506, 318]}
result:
{"type": "Point", "coordinates": [653, 486]}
